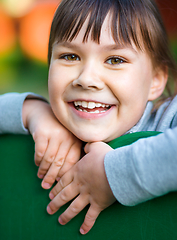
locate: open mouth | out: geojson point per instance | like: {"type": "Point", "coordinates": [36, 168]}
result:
{"type": "Point", "coordinates": [91, 107]}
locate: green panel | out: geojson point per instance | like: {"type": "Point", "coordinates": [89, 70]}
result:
{"type": "Point", "coordinates": [130, 138]}
{"type": "Point", "coordinates": [23, 204]}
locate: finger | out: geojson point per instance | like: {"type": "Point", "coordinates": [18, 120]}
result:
{"type": "Point", "coordinates": [41, 144]}
{"type": "Point", "coordinates": [53, 169]}
{"type": "Point", "coordinates": [87, 148]}
{"type": "Point", "coordinates": [65, 148]}
{"type": "Point", "coordinates": [90, 219]}
{"type": "Point", "coordinates": [52, 173]}
{"type": "Point", "coordinates": [48, 158]}
{"type": "Point", "coordinates": [75, 207]}
{"type": "Point", "coordinates": [72, 157]}
{"type": "Point", "coordinates": [62, 183]}
{"type": "Point", "coordinates": [66, 195]}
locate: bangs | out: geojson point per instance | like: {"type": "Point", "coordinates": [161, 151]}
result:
{"type": "Point", "coordinates": [124, 20]}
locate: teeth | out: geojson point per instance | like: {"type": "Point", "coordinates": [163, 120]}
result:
{"type": "Point", "coordinates": [84, 104]}
{"type": "Point", "coordinates": [78, 103]}
{"type": "Point", "coordinates": [90, 105]}
{"type": "Point", "coordinates": [97, 111]}
{"type": "Point", "coordinates": [98, 104]}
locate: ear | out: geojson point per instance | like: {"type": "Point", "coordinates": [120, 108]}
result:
{"type": "Point", "coordinates": [158, 84]}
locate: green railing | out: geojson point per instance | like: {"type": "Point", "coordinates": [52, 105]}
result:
{"type": "Point", "coordinates": [23, 204]}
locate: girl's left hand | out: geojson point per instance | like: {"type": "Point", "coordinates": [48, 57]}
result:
{"type": "Point", "coordinates": [86, 180]}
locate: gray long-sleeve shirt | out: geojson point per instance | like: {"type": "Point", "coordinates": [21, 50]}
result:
{"type": "Point", "coordinates": [11, 112]}
{"type": "Point", "coordinates": [148, 167]}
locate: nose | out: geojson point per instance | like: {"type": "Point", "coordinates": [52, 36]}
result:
{"type": "Point", "coordinates": [89, 79]}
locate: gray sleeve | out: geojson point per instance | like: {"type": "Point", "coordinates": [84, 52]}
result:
{"type": "Point", "coordinates": [143, 170]}
{"type": "Point", "coordinates": [11, 112]}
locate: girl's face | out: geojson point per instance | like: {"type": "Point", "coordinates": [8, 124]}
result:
{"type": "Point", "coordinates": [99, 91]}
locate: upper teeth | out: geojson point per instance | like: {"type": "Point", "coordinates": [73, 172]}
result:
{"type": "Point", "coordinates": [90, 105]}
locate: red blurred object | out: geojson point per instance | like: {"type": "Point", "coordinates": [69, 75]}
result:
{"type": "Point", "coordinates": [168, 10]}
{"type": "Point", "coordinates": [34, 29]}
{"type": "Point", "coordinates": [7, 33]}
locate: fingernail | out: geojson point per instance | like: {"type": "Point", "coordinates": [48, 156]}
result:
{"type": "Point", "coordinates": [49, 210]}
{"type": "Point", "coordinates": [46, 185]}
{"type": "Point", "coordinates": [41, 176]}
{"type": "Point", "coordinates": [51, 196]}
{"type": "Point", "coordinates": [60, 221]}
{"type": "Point", "coordinates": [82, 231]}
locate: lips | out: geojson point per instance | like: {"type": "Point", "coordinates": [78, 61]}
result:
{"type": "Point", "coordinates": [91, 107]}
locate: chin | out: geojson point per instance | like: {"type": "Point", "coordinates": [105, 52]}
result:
{"type": "Point", "coordinates": [91, 138]}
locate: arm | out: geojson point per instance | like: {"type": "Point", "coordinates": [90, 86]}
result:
{"type": "Point", "coordinates": [55, 148]}
{"type": "Point", "coordinates": [143, 170]}
{"type": "Point", "coordinates": [11, 112]}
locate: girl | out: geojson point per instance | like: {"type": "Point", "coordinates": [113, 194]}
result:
{"type": "Point", "coordinates": [109, 59]}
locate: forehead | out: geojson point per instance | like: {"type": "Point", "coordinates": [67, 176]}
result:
{"type": "Point", "coordinates": [105, 31]}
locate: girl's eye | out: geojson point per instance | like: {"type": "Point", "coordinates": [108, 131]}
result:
{"type": "Point", "coordinates": [70, 57]}
{"type": "Point", "coordinates": [115, 60]}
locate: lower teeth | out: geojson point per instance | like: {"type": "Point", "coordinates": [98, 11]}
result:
{"type": "Point", "coordinates": [97, 111]}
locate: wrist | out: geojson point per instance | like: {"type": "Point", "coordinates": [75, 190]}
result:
{"type": "Point", "coordinates": [27, 111]}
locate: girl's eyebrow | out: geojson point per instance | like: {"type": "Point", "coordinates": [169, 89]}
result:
{"type": "Point", "coordinates": [118, 47]}
{"type": "Point", "coordinates": [66, 44]}
{"type": "Point", "coordinates": [108, 47]}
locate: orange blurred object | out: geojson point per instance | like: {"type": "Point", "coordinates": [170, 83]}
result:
{"type": "Point", "coordinates": [7, 33]}
{"type": "Point", "coordinates": [34, 29]}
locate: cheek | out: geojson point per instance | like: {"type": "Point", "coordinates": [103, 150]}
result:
{"type": "Point", "coordinates": [54, 92]}
{"type": "Point", "coordinates": [122, 86]}
{"type": "Point", "coordinates": [55, 83]}
{"type": "Point", "coordinates": [51, 81]}
{"type": "Point", "coordinates": [131, 88]}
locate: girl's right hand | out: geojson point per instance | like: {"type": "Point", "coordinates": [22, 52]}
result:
{"type": "Point", "coordinates": [56, 149]}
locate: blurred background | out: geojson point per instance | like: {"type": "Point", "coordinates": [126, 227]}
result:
{"type": "Point", "coordinates": [24, 33]}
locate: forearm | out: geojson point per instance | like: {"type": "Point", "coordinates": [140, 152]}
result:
{"type": "Point", "coordinates": [143, 170]}
{"type": "Point", "coordinates": [11, 105]}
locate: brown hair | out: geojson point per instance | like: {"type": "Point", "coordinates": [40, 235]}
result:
{"type": "Point", "coordinates": [137, 21]}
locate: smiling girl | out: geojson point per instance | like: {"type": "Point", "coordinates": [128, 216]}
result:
{"type": "Point", "coordinates": [109, 59]}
